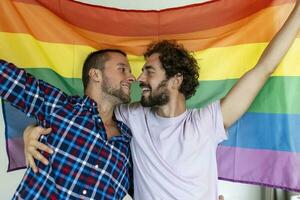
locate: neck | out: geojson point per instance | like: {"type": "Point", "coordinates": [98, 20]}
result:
{"type": "Point", "coordinates": [174, 107]}
{"type": "Point", "coordinates": [105, 105]}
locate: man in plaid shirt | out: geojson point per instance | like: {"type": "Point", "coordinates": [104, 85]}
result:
{"type": "Point", "coordinates": [91, 157]}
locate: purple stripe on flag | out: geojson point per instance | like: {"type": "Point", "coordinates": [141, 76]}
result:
{"type": "Point", "coordinates": [15, 147]}
{"type": "Point", "coordinates": [263, 167]}
{"type": "Point", "coordinates": [15, 123]}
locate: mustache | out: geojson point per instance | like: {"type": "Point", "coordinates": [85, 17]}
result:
{"type": "Point", "coordinates": [125, 83]}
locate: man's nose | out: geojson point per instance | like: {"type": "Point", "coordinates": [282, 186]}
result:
{"type": "Point", "coordinates": [141, 78]}
{"type": "Point", "coordinates": [131, 79]}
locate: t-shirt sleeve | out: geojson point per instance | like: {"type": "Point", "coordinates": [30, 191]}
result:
{"type": "Point", "coordinates": [122, 113]}
{"type": "Point", "coordinates": [127, 113]}
{"type": "Point", "coordinates": [211, 117]}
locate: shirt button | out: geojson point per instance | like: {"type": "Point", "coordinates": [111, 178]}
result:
{"type": "Point", "coordinates": [84, 192]}
{"type": "Point", "coordinates": [98, 135]}
{"type": "Point", "coordinates": [96, 166]}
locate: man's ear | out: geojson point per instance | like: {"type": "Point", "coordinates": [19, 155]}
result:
{"type": "Point", "coordinates": [177, 81]}
{"type": "Point", "coordinates": [95, 75]}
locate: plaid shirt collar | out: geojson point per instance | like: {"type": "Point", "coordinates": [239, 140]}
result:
{"type": "Point", "coordinates": [91, 105]}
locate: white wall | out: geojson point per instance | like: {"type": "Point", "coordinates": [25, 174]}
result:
{"type": "Point", "coordinates": [143, 4]}
{"type": "Point", "coordinates": [238, 191]}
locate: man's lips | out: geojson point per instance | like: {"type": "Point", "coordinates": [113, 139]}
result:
{"type": "Point", "coordinates": [145, 89]}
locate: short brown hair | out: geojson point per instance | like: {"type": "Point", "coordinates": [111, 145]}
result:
{"type": "Point", "coordinates": [96, 60]}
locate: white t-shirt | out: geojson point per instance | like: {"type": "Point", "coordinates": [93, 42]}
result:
{"type": "Point", "coordinates": [174, 158]}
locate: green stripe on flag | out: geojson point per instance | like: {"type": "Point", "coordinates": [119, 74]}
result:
{"type": "Point", "coordinates": [279, 95]}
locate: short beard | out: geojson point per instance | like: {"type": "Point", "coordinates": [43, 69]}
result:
{"type": "Point", "coordinates": [158, 100]}
{"type": "Point", "coordinates": [121, 96]}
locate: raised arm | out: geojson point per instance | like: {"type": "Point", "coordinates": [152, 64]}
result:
{"type": "Point", "coordinates": [240, 97]}
{"type": "Point", "coordinates": [25, 92]}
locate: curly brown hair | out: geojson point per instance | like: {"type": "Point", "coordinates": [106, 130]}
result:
{"type": "Point", "coordinates": [175, 59]}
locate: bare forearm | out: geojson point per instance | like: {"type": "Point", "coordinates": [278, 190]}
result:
{"type": "Point", "coordinates": [276, 50]}
{"type": "Point", "coordinates": [240, 97]}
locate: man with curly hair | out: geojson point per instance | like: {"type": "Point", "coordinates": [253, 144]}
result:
{"type": "Point", "coordinates": [174, 148]}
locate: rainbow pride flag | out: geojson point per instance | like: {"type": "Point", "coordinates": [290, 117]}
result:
{"type": "Point", "coordinates": [51, 39]}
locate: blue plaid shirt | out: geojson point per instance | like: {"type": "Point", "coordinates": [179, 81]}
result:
{"type": "Point", "coordinates": [84, 165]}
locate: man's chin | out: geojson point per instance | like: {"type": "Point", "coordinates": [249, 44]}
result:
{"type": "Point", "coordinates": [145, 102]}
{"type": "Point", "coordinates": [150, 101]}
{"type": "Point", "coordinates": [125, 100]}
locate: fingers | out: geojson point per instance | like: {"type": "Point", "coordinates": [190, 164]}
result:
{"type": "Point", "coordinates": [33, 152]}
{"type": "Point", "coordinates": [41, 158]}
{"type": "Point", "coordinates": [41, 146]}
{"type": "Point", "coordinates": [38, 131]}
{"type": "Point", "coordinates": [32, 145]}
{"type": "Point", "coordinates": [45, 131]}
{"type": "Point", "coordinates": [31, 163]}
{"type": "Point", "coordinates": [34, 132]}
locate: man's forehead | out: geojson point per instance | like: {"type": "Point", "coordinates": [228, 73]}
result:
{"type": "Point", "coordinates": [153, 61]}
{"type": "Point", "coordinates": [153, 57]}
{"type": "Point", "coordinates": [118, 57]}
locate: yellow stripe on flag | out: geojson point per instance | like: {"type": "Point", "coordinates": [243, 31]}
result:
{"type": "Point", "coordinates": [67, 60]}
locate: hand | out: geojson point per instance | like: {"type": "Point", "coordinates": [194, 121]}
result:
{"type": "Point", "coordinates": [32, 145]}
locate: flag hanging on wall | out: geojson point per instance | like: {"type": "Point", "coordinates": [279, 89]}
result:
{"type": "Point", "coordinates": [50, 39]}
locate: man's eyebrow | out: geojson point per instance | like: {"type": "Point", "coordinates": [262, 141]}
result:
{"type": "Point", "coordinates": [122, 64]}
{"type": "Point", "coordinates": [147, 67]}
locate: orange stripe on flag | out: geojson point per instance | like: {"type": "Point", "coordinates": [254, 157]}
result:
{"type": "Point", "coordinates": [153, 23]}
{"type": "Point", "coordinates": [46, 26]}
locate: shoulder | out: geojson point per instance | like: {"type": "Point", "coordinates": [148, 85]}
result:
{"type": "Point", "coordinates": [207, 112]}
{"type": "Point", "coordinates": [130, 108]}
{"type": "Point", "coordinates": [211, 107]}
